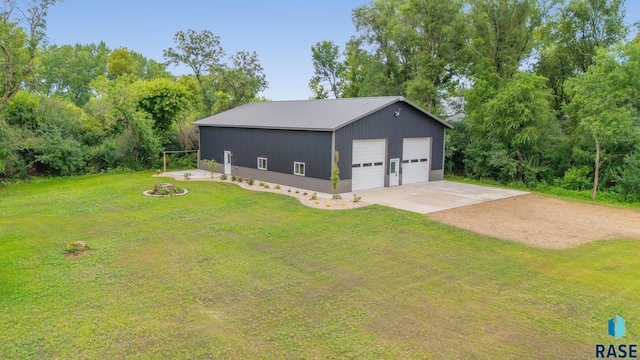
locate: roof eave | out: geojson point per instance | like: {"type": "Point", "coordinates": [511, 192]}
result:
{"type": "Point", "coordinates": [429, 114]}
{"type": "Point", "coordinates": [393, 101]}
{"type": "Point", "coordinates": [264, 127]}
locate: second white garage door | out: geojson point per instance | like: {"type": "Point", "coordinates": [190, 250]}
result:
{"type": "Point", "coordinates": [367, 166]}
{"type": "Point", "coordinates": [415, 160]}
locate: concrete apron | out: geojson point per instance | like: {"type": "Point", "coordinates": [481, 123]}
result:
{"type": "Point", "coordinates": [434, 196]}
{"type": "Point", "coordinates": [422, 198]}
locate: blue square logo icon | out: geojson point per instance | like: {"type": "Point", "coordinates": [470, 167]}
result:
{"type": "Point", "coordinates": [616, 327]}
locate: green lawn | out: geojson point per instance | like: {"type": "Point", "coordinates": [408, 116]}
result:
{"type": "Point", "coordinates": [228, 273]}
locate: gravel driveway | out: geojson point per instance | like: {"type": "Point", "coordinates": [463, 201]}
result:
{"type": "Point", "coordinates": [544, 221]}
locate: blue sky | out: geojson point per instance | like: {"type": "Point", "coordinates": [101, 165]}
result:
{"type": "Point", "coordinates": [280, 31]}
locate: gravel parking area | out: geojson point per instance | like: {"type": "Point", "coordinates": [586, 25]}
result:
{"type": "Point", "coordinates": [544, 221]}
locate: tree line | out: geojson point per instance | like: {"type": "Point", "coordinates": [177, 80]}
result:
{"type": "Point", "coordinates": [550, 87]}
{"type": "Point", "coordinates": [85, 108]}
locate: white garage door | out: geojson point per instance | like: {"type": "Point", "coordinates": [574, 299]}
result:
{"type": "Point", "coordinates": [367, 166]}
{"type": "Point", "coordinates": [415, 160]}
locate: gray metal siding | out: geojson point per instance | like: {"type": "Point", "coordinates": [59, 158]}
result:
{"type": "Point", "coordinates": [384, 125]}
{"type": "Point", "coordinates": [281, 148]}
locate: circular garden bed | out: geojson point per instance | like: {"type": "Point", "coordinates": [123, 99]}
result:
{"type": "Point", "coordinates": [165, 190]}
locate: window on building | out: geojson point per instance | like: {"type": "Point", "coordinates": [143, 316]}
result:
{"type": "Point", "coordinates": [262, 163]}
{"type": "Point", "coordinates": [298, 168]}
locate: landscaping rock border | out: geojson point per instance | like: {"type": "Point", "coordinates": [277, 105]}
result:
{"type": "Point", "coordinates": [149, 194]}
{"type": "Point", "coordinates": [324, 202]}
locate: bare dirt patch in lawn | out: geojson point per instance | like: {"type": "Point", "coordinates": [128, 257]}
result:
{"type": "Point", "coordinates": [544, 221]}
{"type": "Point", "coordinates": [76, 255]}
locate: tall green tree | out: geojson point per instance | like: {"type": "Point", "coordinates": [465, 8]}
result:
{"type": "Point", "coordinates": [120, 63]}
{"type": "Point", "coordinates": [241, 80]}
{"type": "Point", "coordinates": [364, 73]}
{"type": "Point", "coordinates": [515, 130]}
{"type": "Point", "coordinates": [202, 53]}
{"type": "Point", "coordinates": [328, 74]}
{"type": "Point", "coordinates": [405, 47]}
{"type": "Point", "coordinates": [570, 37]}
{"type": "Point", "coordinates": [502, 35]}
{"type": "Point", "coordinates": [22, 32]}
{"type": "Point", "coordinates": [149, 69]}
{"type": "Point", "coordinates": [376, 22]}
{"type": "Point", "coordinates": [67, 71]}
{"type": "Point", "coordinates": [604, 103]}
{"type": "Point", "coordinates": [163, 99]}
{"type": "Point", "coordinates": [132, 141]}
{"type": "Point", "coordinates": [585, 25]}
{"type": "Point", "coordinates": [435, 33]}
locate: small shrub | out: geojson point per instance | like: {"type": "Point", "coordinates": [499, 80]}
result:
{"type": "Point", "coordinates": [327, 205]}
{"type": "Point", "coordinates": [75, 247]}
{"type": "Point", "coordinates": [343, 204]}
{"type": "Point", "coordinates": [289, 190]}
{"type": "Point", "coordinates": [158, 172]}
{"type": "Point", "coordinates": [164, 192]}
{"type": "Point", "coordinates": [250, 181]}
{"type": "Point", "coordinates": [223, 177]}
{"type": "Point", "coordinates": [317, 201]}
{"type": "Point", "coordinates": [576, 178]}
{"type": "Point", "coordinates": [298, 192]}
{"type": "Point", "coordinates": [314, 196]}
{"type": "Point", "coordinates": [335, 173]}
{"type": "Point", "coordinates": [277, 187]}
{"type": "Point", "coordinates": [627, 177]}
{"type": "Point", "coordinates": [233, 177]}
{"type": "Point", "coordinates": [241, 179]}
{"type": "Point", "coordinates": [261, 183]}
{"type": "Point", "coordinates": [187, 175]}
{"type": "Point", "coordinates": [305, 194]}
{"type": "Point", "coordinates": [356, 198]}
{"type": "Point", "coordinates": [266, 186]}
{"type": "Point", "coordinates": [178, 189]}
{"type": "Point", "coordinates": [211, 166]}
{"type": "Point", "coordinates": [336, 196]}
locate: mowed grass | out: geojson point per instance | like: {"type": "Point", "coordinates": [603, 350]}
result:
{"type": "Point", "coordinates": [228, 273]}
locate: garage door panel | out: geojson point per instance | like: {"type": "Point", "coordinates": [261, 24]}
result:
{"type": "Point", "coordinates": [368, 164]}
{"type": "Point", "coordinates": [415, 160]}
{"type": "Point", "coordinates": [368, 151]}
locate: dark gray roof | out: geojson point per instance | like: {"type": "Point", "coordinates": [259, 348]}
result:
{"type": "Point", "coordinates": [318, 115]}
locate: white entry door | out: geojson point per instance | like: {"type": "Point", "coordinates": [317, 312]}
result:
{"type": "Point", "coordinates": [394, 172]}
{"type": "Point", "coordinates": [415, 160]}
{"type": "Point", "coordinates": [367, 166]}
{"type": "Point", "coordinates": [227, 162]}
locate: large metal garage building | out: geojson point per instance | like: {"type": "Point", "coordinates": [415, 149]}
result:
{"type": "Point", "coordinates": [382, 141]}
